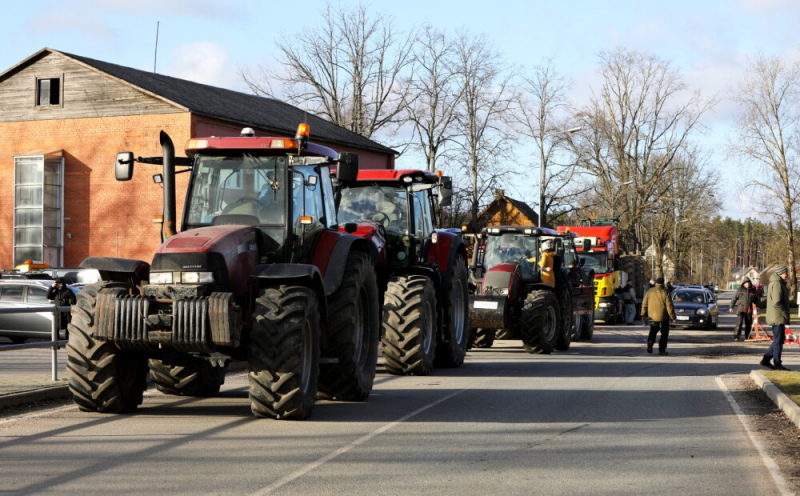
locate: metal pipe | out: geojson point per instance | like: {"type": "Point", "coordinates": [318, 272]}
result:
{"type": "Point", "coordinates": [168, 228]}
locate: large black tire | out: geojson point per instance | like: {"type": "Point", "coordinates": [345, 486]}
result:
{"type": "Point", "coordinates": [101, 377]}
{"type": "Point", "coordinates": [451, 350]}
{"type": "Point", "coordinates": [354, 328]}
{"type": "Point", "coordinates": [587, 327]}
{"type": "Point", "coordinates": [540, 319]}
{"type": "Point", "coordinates": [484, 338]}
{"type": "Point", "coordinates": [197, 378]}
{"type": "Point", "coordinates": [566, 320]}
{"type": "Point", "coordinates": [409, 325]}
{"type": "Point", "coordinates": [284, 353]}
{"type": "Point", "coordinates": [505, 333]}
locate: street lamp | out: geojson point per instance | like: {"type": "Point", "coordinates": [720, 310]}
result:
{"type": "Point", "coordinates": [542, 175]}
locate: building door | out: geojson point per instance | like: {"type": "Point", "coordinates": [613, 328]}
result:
{"type": "Point", "coordinates": [39, 208]}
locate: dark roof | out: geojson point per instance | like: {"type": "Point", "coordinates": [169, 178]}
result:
{"type": "Point", "coordinates": [524, 208]}
{"type": "Point", "coordinates": [268, 114]}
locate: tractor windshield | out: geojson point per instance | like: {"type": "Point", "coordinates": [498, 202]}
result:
{"type": "Point", "coordinates": [374, 203]}
{"type": "Point", "coordinates": [510, 248]}
{"type": "Point", "coordinates": [246, 188]}
{"type": "Point", "coordinates": [597, 261]}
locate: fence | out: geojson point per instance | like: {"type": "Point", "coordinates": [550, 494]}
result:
{"type": "Point", "coordinates": [54, 343]}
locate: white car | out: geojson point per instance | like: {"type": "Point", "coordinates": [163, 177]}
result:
{"type": "Point", "coordinates": [21, 293]}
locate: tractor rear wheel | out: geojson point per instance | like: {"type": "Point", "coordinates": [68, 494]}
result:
{"type": "Point", "coordinates": [540, 322]}
{"type": "Point", "coordinates": [451, 350]}
{"type": "Point", "coordinates": [587, 327]}
{"type": "Point", "coordinates": [284, 353]}
{"type": "Point", "coordinates": [566, 321]}
{"type": "Point", "coordinates": [504, 333]}
{"type": "Point", "coordinates": [198, 378]}
{"type": "Point", "coordinates": [484, 338]}
{"type": "Point", "coordinates": [409, 325]}
{"type": "Point", "coordinates": [353, 332]}
{"type": "Point", "coordinates": [101, 377]}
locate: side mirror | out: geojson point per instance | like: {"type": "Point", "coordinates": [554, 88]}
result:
{"type": "Point", "coordinates": [123, 166]}
{"type": "Point", "coordinates": [587, 245]}
{"type": "Point", "coordinates": [445, 191]}
{"type": "Point", "coordinates": [347, 170]}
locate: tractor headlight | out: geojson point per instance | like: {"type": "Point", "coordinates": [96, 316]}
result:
{"type": "Point", "coordinates": [161, 278]}
{"type": "Point", "coordinates": [197, 277]}
{"type": "Point", "coordinates": [604, 305]}
{"type": "Point", "coordinates": [701, 311]}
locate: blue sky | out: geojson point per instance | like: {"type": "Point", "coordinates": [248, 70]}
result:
{"type": "Point", "coordinates": [209, 41]}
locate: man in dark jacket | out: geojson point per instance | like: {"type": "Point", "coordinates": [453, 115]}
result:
{"type": "Point", "coordinates": [658, 309]}
{"type": "Point", "coordinates": [62, 296]}
{"type": "Point", "coordinates": [743, 305]}
{"type": "Point", "coordinates": [777, 317]}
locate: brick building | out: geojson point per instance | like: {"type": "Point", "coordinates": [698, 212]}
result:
{"type": "Point", "coordinates": [64, 117]}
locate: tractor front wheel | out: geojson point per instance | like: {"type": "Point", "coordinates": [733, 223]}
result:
{"type": "Point", "coordinates": [198, 378]}
{"type": "Point", "coordinates": [409, 325]}
{"type": "Point", "coordinates": [284, 353]}
{"type": "Point", "coordinates": [101, 377]}
{"type": "Point", "coordinates": [451, 350]}
{"type": "Point", "coordinates": [540, 322]}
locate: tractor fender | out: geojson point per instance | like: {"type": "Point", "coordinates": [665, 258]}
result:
{"type": "Point", "coordinates": [331, 255]}
{"type": "Point", "coordinates": [123, 270]}
{"type": "Point", "coordinates": [444, 251]}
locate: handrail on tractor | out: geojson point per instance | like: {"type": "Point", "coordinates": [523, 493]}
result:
{"type": "Point", "coordinates": [54, 343]}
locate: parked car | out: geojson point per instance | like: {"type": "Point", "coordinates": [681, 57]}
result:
{"type": "Point", "coordinates": [21, 293]}
{"type": "Point", "coordinates": [695, 308]}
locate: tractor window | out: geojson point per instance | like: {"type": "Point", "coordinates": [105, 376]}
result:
{"type": "Point", "coordinates": [569, 253]}
{"type": "Point", "coordinates": [328, 200]}
{"type": "Point", "coordinates": [509, 248]}
{"type": "Point", "coordinates": [373, 203]}
{"type": "Point", "coordinates": [245, 186]}
{"type": "Point", "coordinates": [597, 261]}
{"type": "Point", "coordinates": [423, 223]}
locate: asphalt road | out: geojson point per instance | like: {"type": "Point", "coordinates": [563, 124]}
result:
{"type": "Point", "coordinates": [602, 418]}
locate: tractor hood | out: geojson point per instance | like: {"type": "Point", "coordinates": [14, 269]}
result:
{"type": "Point", "coordinates": [229, 251]}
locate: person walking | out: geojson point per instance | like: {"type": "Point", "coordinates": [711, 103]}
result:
{"type": "Point", "coordinates": [629, 297]}
{"type": "Point", "coordinates": [743, 304]}
{"type": "Point", "coordinates": [658, 309]}
{"type": "Point", "coordinates": [62, 296]}
{"type": "Point", "coordinates": [777, 317]}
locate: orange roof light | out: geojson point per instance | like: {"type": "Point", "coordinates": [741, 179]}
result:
{"type": "Point", "coordinates": [306, 220]}
{"type": "Point", "coordinates": [302, 131]}
{"type": "Point", "coordinates": [439, 173]}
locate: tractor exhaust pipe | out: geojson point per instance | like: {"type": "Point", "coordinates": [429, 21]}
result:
{"type": "Point", "coordinates": [170, 218]}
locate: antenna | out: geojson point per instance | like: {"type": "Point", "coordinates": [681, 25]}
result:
{"type": "Point", "coordinates": [155, 57]}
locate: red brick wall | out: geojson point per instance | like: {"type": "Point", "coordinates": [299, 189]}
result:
{"type": "Point", "coordinates": [102, 217]}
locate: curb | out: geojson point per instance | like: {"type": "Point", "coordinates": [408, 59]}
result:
{"type": "Point", "coordinates": [46, 393]}
{"type": "Point", "coordinates": [789, 407]}
{"type": "Point", "coordinates": [61, 392]}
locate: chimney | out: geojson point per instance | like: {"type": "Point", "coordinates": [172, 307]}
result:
{"type": "Point", "coordinates": [499, 192]}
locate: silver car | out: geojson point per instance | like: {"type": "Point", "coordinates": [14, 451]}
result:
{"type": "Point", "coordinates": [19, 327]}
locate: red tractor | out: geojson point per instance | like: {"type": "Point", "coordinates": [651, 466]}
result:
{"type": "Point", "coordinates": [529, 283]}
{"type": "Point", "coordinates": [259, 272]}
{"type": "Point", "coordinates": [425, 305]}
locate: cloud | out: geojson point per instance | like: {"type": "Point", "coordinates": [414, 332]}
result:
{"type": "Point", "coordinates": [203, 62]}
{"type": "Point", "coordinates": [50, 22]}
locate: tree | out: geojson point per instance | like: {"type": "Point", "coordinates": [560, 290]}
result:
{"type": "Point", "coordinates": [348, 71]}
{"type": "Point", "coordinates": [433, 96]}
{"type": "Point", "coordinates": [768, 129]}
{"type": "Point", "coordinates": [634, 129]}
{"type": "Point", "coordinates": [540, 117]}
{"type": "Point", "coordinates": [485, 104]}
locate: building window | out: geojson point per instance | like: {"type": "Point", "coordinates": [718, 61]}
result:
{"type": "Point", "coordinates": [38, 208]}
{"type": "Point", "coordinates": [48, 92]}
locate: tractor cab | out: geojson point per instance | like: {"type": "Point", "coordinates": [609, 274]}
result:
{"type": "Point", "coordinates": [402, 201]}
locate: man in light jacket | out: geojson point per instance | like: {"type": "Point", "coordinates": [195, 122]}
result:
{"type": "Point", "coordinates": [658, 309]}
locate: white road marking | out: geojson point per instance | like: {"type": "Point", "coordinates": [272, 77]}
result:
{"type": "Point", "coordinates": [344, 449]}
{"type": "Point", "coordinates": [773, 468]}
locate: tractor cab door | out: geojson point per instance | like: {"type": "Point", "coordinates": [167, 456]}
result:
{"type": "Point", "coordinates": [310, 215]}
{"type": "Point", "coordinates": [422, 217]}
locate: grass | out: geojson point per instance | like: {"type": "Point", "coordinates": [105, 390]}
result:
{"type": "Point", "coordinates": [787, 382]}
